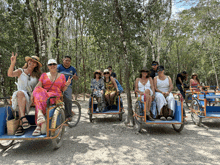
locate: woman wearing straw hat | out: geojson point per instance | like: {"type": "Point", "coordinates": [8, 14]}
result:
{"type": "Point", "coordinates": [144, 86]}
{"type": "Point", "coordinates": [97, 88]}
{"type": "Point", "coordinates": [27, 79]}
{"type": "Point", "coordinates": [111, 88]}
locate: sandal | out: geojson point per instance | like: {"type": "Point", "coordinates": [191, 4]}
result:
{"type": "Point", "coordinates": [19, 131]}
{"type": "Point", "coordinates": [25, 124]}
{"type": "Point", "coordinates": [37, 131]}
{"type": "Point", "coordinates": [40, 119]}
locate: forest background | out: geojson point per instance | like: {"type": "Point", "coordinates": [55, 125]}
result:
{"type": "Point", "coordinates": [126, 34]}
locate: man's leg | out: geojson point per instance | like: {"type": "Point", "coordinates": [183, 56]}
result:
{"type": "Point", "coordinates": [181, 90]}
{"type": "Point", "coordinates": [68, 101]}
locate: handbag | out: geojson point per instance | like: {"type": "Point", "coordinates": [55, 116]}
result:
{"type": "Point", "coordinates": [12, 125]}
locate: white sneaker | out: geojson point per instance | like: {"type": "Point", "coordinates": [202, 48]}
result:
{"type": "Point", "coordinates": [97, 109]}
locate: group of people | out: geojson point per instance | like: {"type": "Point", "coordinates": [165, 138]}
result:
{"type": "Point", "coordinates": [155, 87]}
{"type": "Point", "coordinates": [104, 88]}
{"type": "Point", "coordinates": [35, 87]}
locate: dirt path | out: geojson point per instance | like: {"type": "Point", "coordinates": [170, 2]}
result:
{"type": "Point", "coordinates": [109, 141]}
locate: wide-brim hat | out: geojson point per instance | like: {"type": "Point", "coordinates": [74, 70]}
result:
{"type": "Point", "coordinates": [144, 69]}
{"type": "Point", "coordinates": [34, 58]}
{"type": "Point", "coordinates": [106, 70]}
{"type": "Point", "coordinates": [97, 71]}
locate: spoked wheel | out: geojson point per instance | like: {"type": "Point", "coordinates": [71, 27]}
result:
{"type": "Point", "coordinates": [195, 111]}
{"type": "Point", "coordinates": [178, 127]}
{"type": "Point", "coordinates": [138, 120]}
{"type": "Point", "coordinates": [76, 114]}
{"type": "Point", "coordinates": [188, 99]}
{"type": "Point", "coordinates": [4, 144]}
{"type": "Point", "coordinates": [57, 120]}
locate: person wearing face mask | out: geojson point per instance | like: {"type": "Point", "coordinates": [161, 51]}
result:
{"type": "Point", "coordinates": [28, 77]}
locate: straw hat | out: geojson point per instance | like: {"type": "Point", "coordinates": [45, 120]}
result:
{"type": "Point", "coordinates": [34, 58]}
{"type": "Point", "coordinates": [97, 71]}
{"type": "Point", "coordinates": [106, 70]}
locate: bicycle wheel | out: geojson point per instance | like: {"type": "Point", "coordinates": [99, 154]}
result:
{"type": "Point", "coordinates": [195, 111]}
{"type": "Point", "coordinates": [178, 127]}
{"type": "Point", "coordinates": [4, 144]}
{"type": "Point", "coordinates": [76, 114]}
{"type": "Point", "coordinates": [57, 120]}
{"type": "Point", "coordinates": [188, 99]}
{"type": "Point", "coordinates": [138, 120]}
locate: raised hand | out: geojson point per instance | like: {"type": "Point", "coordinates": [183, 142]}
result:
{"type": "Point", "coordinates": [68, 81]}
{"type": "Point", "coordinates": [13, 58]}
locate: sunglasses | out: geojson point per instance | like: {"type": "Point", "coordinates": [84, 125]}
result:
{"type": "Point", "coordinates": [29, 77]}
{"type": "Point", "coordinates": [97, 73]}
{"type": "Point", "coordinates": [154, 64]}
{"type": "Point", "coordinates": [52, 64]}
{"type": "Point", "coordinates": [106, 73]}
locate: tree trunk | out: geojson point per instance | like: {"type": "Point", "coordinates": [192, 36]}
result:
{"type": "Point", "coordinates": [130, 118]}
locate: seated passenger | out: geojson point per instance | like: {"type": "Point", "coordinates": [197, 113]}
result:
{"type": "Point", "coordinates": [27, 79]}
{"type": "Point", "coordinates": [144, 86]}
{"type": "Point", "coordinates": [50, 84]}
{"type": "Point", "coordinates": [111, 88]}
{"type": "Point", "coordinates": [163, 87]}
{"type": "Point", "coordinates": [97, 88]}
{"type": "Point", "coordinates": [194, 82]}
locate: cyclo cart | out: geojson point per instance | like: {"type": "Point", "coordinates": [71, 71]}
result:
{"type": "Point", "coordinates": [55, 124]}
{"type": "Point", "coordinates": [141, 117]}
{"type": "Point", "coordinates": [205, 105]}
{"type": "Point", "coordinates": [116, 109]}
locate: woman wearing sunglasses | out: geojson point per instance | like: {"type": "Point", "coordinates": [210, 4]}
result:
{"type": "Point", "coordinates": [50, 84]}
{"type": "Point", "coordinates": [28, 77]}
{"type": "Point", "coordinates": [163, 87]}
{"type": "Point", "coordinates": [111, 88]}
{"type": "Point", "coordinates": [97, 88]}
{"type": "Point", "coordinates": [144, 86]}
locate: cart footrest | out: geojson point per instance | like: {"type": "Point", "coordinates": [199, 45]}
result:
{"type": "Point", "coordinates": [157, 121]}
{"type": "Point", "coordinates": [27, 134]}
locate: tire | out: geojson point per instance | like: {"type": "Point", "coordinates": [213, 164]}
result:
{"type": "Point", "coordinates": [178, 127]}
{"type": "Point", "coordinates": [76, 111]}
{"type": "Point", "coordinates": [120, 117]}
{"type": "Point", "coordinates": [187, 100]}
{"type": "Point", "coordinates": [138, 120]}
{"type": "Point", "coordinates": [57, 120]}
{"type": "Point", "coordinates": [90, 118]}
{"type": "Point", "coordinates": [196, 120]}
{"type": "Point", "coordinates": [5, 144]}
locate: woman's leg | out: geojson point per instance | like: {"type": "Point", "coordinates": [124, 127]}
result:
{"type": "Point", "coordinates": [21, 106]}
{"type": "Point", "coordinates": [107, 98]}
{"type": "Point", "coordinates": [112, 97]}
{"type": "Point", "coordinates": [148, 101]}
{"type": "Point", "coordinates": [171, 104]}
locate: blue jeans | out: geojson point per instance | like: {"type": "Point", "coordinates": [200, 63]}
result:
{"type": "Point", "coordinates": [181, 90]}
{"type": "Point", "coordinates": [68, 101]}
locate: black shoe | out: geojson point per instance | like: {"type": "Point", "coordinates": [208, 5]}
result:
{"type": "Point", "coordinates": [150, 118]}
{"type": "Point", "coordinates": [19, 131]}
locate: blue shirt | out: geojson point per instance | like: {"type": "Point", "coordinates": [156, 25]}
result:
{"type": "Point", "coordinates": [70, 71]}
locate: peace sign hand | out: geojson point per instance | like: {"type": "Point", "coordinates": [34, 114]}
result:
{"type": "Point", "coordinates": [68, 81]}
{"type": "Point", "coordinates": [13, 58]}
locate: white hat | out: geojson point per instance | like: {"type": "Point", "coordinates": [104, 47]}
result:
{"type": "Point", "coordinates": [51, 61]}
{"type": "Point", "coordinates": [106, 70]}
